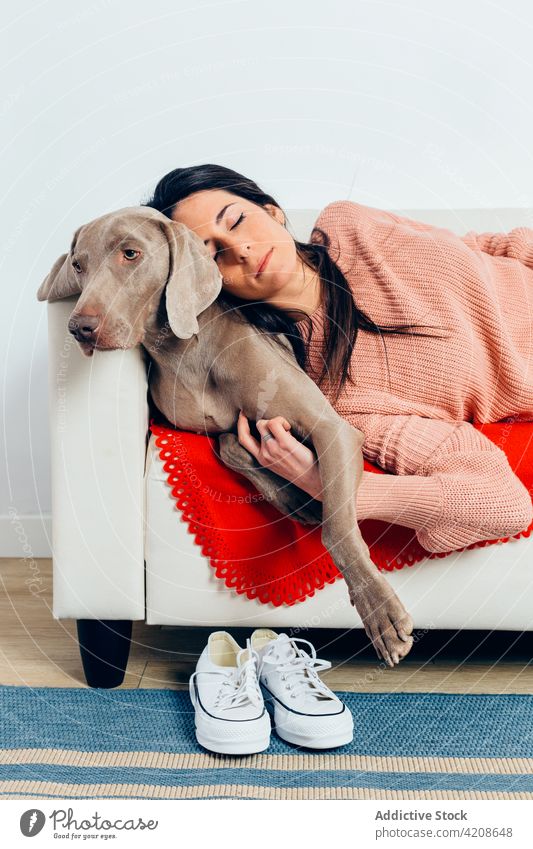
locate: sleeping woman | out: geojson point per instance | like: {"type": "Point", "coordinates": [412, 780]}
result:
{"type": "Point", "coordinates": [412, 333]}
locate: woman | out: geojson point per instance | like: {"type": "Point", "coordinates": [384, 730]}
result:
{"type": "Point", "coordinates": [410, 331]}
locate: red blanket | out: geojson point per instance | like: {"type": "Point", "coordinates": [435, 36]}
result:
{"type": "Point", "coordinates": [260, 552]}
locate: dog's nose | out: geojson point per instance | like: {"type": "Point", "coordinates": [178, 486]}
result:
{"type": "Point", "coordinates": [83, 327]}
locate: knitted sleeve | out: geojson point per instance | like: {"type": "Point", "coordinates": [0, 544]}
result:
{"type": "Point", "coordinates": [347, 213]}
{"type": "Point", "coordinates": [517, 244]}
{"type": "Point", "coordinates": [480, 496]}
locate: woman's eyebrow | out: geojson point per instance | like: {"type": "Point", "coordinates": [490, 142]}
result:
{"type": "Point", "coordinates": [222, 211]}
{"type": "Point", "coordinates": [220, 215]}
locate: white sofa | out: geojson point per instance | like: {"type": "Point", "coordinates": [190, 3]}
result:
{"type": "Point", "coordinates": [122, 552]}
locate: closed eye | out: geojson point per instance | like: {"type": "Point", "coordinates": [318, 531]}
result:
{"type": "Point", "coordinates": [238, 221]}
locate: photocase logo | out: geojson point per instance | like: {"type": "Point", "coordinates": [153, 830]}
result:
{"type": "Point", "coordinates": [32, 822]}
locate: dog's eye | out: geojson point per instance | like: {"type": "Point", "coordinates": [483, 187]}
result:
{"type": "Point", "coordinates": [130, 254]}
{"type": "Point", "coordinates": [76, 266]}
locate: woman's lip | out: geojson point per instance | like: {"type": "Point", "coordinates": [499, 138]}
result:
{"type": "Point", "coordinates": [264, 262]}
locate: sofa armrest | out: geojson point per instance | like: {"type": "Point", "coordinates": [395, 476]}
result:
{"type": "Point", "coordinates": [98, 412]}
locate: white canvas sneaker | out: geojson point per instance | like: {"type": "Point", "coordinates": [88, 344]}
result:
{"type": "Point", "coordinates": [306, 712]}
{"type": "Point", "coordinates": [230, 715]}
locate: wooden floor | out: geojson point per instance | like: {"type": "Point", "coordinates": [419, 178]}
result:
{"type": "Point", "coordinates": [38, 651]}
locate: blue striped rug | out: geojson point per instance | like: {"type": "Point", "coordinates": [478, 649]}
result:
{"type": "Point", "coordinates": [81, 743]}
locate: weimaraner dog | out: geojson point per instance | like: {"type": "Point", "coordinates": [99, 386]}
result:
{"type": "Point", "coordinates": [144, 279]}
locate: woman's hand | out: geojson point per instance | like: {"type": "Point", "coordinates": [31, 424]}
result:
{"type": "Point", "coordinates": [284, 454]}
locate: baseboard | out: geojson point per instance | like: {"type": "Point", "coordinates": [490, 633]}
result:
{"type": "Point", "coordinates": [25, 536]}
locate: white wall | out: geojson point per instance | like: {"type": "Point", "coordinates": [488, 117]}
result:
{"type": "Point", "coordinates": [399, 104]}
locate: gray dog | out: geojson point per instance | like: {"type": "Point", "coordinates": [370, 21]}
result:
{"type": "Point", "coordinates": [146, 280]}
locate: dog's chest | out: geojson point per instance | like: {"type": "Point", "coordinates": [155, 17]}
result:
{"type": "Point", "coordinates": [203, 414]}
{"type": "Point", "coordinates": [192, 404]}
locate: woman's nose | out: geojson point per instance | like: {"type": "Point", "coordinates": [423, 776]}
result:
{"type": "Point", "coordinates": [239, 251]}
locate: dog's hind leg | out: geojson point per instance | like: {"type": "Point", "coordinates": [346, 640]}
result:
{"type": "Point", "coordinates": [282, 494]}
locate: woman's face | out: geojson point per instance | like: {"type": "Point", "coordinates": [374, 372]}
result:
{"type": "Point", "coordinates": [254, 252]}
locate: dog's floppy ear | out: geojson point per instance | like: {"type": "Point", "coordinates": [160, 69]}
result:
{"type": "Point", "coordinates": [62, 281]}
{"type": "Point", "coordinates": [194, 280]}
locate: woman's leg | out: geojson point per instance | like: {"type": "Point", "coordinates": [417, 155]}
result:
{"type": "Point", "coordinates": [414, 501]}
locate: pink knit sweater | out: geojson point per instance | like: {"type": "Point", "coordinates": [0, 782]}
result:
{"type": "Point", "coordinates": [415, 397]}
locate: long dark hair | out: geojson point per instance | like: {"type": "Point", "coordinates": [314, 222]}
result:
{"type": "Point", "coordinates": [343, 319]}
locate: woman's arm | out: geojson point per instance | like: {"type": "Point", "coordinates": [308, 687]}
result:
{"type": "Point", "coordinates": [517, 244]}
{"type": "Point", "coordinates": [348, 216]}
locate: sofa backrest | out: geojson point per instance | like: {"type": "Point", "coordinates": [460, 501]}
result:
{"type": "Point", "coordinates": [459, 221]}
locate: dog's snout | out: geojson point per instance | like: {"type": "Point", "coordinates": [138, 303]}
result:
{"type": "Point", "coordinates": [83, 327]}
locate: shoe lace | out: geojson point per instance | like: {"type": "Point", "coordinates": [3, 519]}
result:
{"type": "Point", "coordinates": [241, 683]}
{"type": "Point", "coordinates": [299, 669]}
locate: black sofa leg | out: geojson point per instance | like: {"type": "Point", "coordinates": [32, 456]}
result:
{"type": "Point", "coordinates": [104, 649]}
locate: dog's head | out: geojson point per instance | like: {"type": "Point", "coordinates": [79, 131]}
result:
{"type": "Point", "coordinates": [121, 265]}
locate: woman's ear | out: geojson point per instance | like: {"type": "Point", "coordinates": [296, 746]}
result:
{"type": "Point", "coordinates": [194, 280]}
{"type": "Point", "coordinates": [62, 281]}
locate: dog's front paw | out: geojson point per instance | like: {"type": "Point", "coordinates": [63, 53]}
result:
{"type": "Point", "coordinates": [386, 621]}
